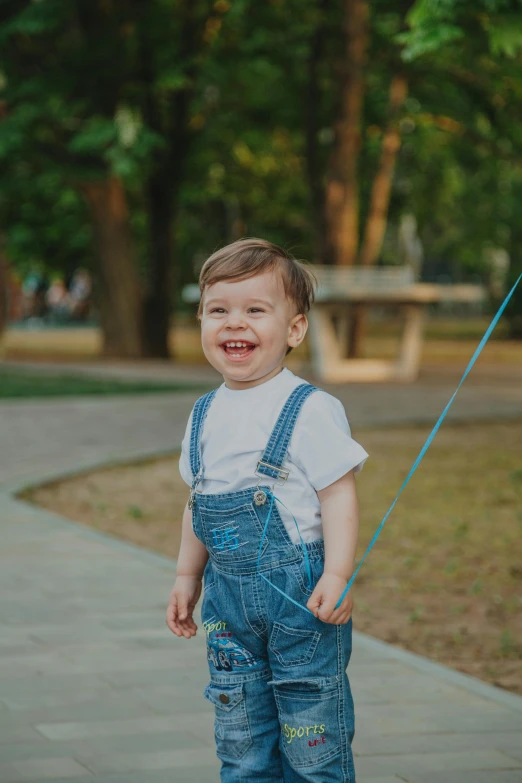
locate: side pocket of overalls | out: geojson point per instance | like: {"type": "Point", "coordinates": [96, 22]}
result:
{"type": "Point", "coordinates": [309, 716]}
{"type": "Point", "coordinates": [231, 727]}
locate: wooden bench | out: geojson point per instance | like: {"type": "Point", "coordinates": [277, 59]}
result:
{"type": "Point", "coordinates": [342, 288]}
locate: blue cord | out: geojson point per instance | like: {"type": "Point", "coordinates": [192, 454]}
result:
{"type": "Point", "coordinates": [408, 477]}
{"type": "Point", "coordinates": [433, 433]}
{"type": "Point", "coordinates": [305, 552]}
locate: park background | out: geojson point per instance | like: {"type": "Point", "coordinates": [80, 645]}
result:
{"type": "Point", "coordinates": [135, 139]}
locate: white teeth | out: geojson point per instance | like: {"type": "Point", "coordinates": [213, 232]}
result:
{"type": "Point", "coordinates": [237, 345]}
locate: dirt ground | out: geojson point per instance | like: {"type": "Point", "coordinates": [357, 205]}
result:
{"type": "Point", "coordinates": [444, 579]}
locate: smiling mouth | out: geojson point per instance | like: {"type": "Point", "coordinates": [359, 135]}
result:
{"type": "Point", "coordinates": [238, 354]}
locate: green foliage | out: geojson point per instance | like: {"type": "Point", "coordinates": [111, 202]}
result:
{"type": "Point", "coordinates": [34, 18]}
{"type": "Point", "coordinates": [95, 136]}
{"type": "Point", "coordinates": [505, 35]}
{"type": "Point", "coordinates": [495, 25]}
{"type": "Point", "coordinates": [93, 89]}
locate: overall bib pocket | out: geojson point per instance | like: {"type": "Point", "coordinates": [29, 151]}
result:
{"type": "Point", "coordinates": [230, 534]}
{"type": "Point", "coordinates": [231, 727]}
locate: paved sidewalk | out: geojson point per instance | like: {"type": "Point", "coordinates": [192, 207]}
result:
{"type": "Point", "coordinates": [50, 437]}
{"type": "Point", "coordinates": [93, 686]}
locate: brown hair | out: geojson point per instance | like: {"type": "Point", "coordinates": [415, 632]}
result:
{"type": "Point", "coordinates": [249, 257]}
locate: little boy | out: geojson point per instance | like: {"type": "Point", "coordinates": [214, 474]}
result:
{"type": "Point", "coordinates": [272, 530]}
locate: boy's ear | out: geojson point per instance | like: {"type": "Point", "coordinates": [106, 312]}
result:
{"type": "Point", "coordinates": [298, 329]}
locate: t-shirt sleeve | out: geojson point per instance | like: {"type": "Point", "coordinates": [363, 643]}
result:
{"type": "Point", "coordinates": [321, 445]}
{"type": "Point", "coordinates": [184, 460]}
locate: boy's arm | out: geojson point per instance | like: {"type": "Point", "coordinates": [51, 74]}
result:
{"type": "Point", "coordinates": [184, 596]}
{"type": "Point", "coordinates": [193, 555]}
{"type": "Point", "coordinates": [340, 518]}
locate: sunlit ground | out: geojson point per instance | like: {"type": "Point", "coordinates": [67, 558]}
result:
{"type": "Point", "coordinates": [446, 342]}
{"type": "Point", "coordinates": [445, 576]}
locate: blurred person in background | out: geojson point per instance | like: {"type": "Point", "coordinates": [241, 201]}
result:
{"type": "Point", "coordinates": [58, 300]}
{"type": "Point", "coordinates": [79, 298]}
{"type": "Point", "coordinates": [34, 289]}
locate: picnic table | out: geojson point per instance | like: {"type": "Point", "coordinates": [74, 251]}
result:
{"type": "Point", "coordinates": [340, 289]}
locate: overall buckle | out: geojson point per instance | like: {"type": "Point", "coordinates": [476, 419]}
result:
{"type": "Point", "coordinates": [260, 496]}
{"type": "Point", "coordinates": [280, 480]}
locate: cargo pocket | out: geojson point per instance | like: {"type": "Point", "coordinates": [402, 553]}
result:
{"type": "Point", "coordinates": [293, 646]}
{"type": "Point", "coordinates": [308, 715]}
{"type": "Point", "coordinates": [231, 727]}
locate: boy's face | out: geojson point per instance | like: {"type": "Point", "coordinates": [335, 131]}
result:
{"type": "Point", "coordinates": [254, 311]}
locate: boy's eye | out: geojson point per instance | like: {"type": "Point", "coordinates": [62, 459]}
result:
{"type": "Point", "coordinates": [217, 309]}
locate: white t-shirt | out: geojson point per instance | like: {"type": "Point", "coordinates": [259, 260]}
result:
{"type": "Point", "coordinates": [235, 433]}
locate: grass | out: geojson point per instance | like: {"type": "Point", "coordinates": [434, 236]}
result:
{"type": "Point", "coordinates": [444, 578]}
{"type": "Point", "coordinates": [17, 384]}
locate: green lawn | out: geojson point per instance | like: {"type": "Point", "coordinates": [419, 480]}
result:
{"type": "Point", "coordinates": [17, 384]}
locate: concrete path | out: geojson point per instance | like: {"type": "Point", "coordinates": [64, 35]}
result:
{"type": "Point", "coordinates": [93, 686]}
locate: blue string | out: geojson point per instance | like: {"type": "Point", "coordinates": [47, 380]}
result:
{"type": "Point", "coordinates": [405, 482]}
{"type": "Point", "coordinates": [305, 552]}
{"type": "Point", "coordinates": [433, 433]}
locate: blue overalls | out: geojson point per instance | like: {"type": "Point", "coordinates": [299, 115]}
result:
{"type": "Point", "coordinates": [283, 705]}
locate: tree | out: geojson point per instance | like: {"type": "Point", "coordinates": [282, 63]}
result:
{"type": "Point", "coordinates": [347, 241]}
{"type": "Point", "coordinates": [138, 137]}
{"type": "Point", "coordinates": [419, 44]}
{"type": "Point", "coordinates": [479, 45]}
{"type": "Point", "coordinates": [103, 90]}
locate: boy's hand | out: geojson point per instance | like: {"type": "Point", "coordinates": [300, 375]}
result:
{"type": "Point", "coordinates": [327, 592]}
{"type": "Point", "coordinates": [182, 600]}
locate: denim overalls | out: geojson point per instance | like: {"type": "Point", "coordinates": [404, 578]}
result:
{"type": "Point", "coordinates": [283, 705]}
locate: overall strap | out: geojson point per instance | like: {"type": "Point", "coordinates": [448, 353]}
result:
{"type": "Point", "coordinates": [271, 463]}
{"type": "Point", "coordinates": [274, 454]}
{"type": "Point", "coordinates": [201, 407]}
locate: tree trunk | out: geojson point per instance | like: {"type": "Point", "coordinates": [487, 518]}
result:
{"type": "Point", "coordinates": [119, 286]}
{"type": "Point", "coordinates": [163, 185]}
{"type": "Point", "coordinates": [162, 190]}
{"type": "Point", "coordinates": [312, 120]}
{"type": "Point", "coordinates": [3, 299]}
{"type": "Point", "coordinates": [342, 190]}
{"type": "Point", "coordinates": [379, 204]}
{"type": "Point", "coordinates": [380, 197]}
{"type": "Point", "coordinates": [157, 308]}
{"type": "Point", "coordinates": [170, 120]}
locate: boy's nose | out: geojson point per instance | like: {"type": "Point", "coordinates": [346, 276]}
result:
{"type": "Point", "coordinates": [235, 321]}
